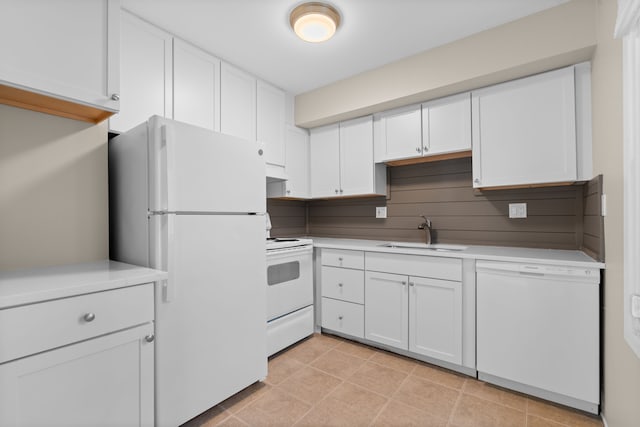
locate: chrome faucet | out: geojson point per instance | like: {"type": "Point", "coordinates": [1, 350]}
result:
{"type": "Point", "coordinates": [426, 226]}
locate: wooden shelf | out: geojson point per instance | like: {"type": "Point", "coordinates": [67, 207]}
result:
{"type": "Point", "coordinates": [50, 105]}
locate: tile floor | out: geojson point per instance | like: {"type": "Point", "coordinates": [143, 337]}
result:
{"type": "Point", "coordinates": [328, 381]}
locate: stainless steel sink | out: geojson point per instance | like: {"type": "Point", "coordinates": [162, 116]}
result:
{"type": "Point", "coordinates": [441, 247]}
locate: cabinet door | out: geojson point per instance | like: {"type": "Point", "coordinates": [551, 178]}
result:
{"type": "Point", "coordinates": [386, 309]}
{"type": "Point", "coordinates": [66, 49]}
{"type": "Point", "coordinates": [356, 156]}
{"type": "Point", "coordinates": [524, 131]}
{"type": "Point", "coordinates": [446, 125]}
{"type": "Point", "coordinates": [297, 163]}
{"type": "Point", "coordinates": [270, 122]}
{"type": "Point", "coordinates": [435, 318]}
{"type": "Point", "coordinates": [145, 73]}
{"type": "Point", "coordinates": [237, 103]}
{"type": "Point", "coordinates": [399, 134]}
{"type": "Point", "coordinates": [325, 161]}
{"type": "Point", "coordinates": [196, 86]}
{"type": "Point", "coordinates": [103, 381]}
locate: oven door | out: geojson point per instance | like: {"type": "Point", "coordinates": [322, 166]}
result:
{"type": "Point", "coordinates": [289, 280]}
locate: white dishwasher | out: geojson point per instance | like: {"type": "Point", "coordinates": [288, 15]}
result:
{"type": "Point", "coordinates": [538, 331]}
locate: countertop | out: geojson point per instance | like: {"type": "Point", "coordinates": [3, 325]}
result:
{"type": "Point", "coordinates": [41, 284]}
{"type": "Point", "coordinates": [568, 258]}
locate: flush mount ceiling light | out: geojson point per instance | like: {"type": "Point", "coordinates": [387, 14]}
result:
{"type": "Point", "coordinates": [314, 22]}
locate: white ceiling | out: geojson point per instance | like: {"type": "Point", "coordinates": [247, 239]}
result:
{"type": "Point", "coordinates": [255, 34]}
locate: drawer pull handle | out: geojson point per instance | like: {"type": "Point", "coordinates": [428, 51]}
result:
{"type": "Point", "coordinates": [150, 338]}
{"type": "Point", "coordinates": [89, 317]}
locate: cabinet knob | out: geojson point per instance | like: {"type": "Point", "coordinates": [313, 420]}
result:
{"type": "Point", "coordinates": [336, 191]}
{"type": "Point", "coordinates": [150, 338]}
{"type": "Point", "coordinates": [411, 284]}
{"type": "Point", "coordinates": [288, 191]}
{"type": "Point", "coordinates": [340, 259]}
{"type": "Point", "coordinates": [339, 317]}
{"type": "Point", "coordinates": [477, 180]}
{"type": "Point", "coordinates": [340, 284]}
{"type": "Point", "coordinates": [418, 149]}
{"type": "Point", "coordinates": [115, 97]}
{"type": "Point", "coordinates": [89, 317]}
{"type": "Point", "coordinates": [404, 283]}
{"type": "Point", "coordinates": [341, 191]}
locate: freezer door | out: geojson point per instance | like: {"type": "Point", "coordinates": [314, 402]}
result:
{"type": "Point", "coordinates": [192, 169]}
{"type": "Point", "coordinates": [210, 326]}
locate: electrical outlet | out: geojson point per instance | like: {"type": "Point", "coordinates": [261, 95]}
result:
{"type": "Point", "coordinates": [381, 212]}
{"type": "Point", "coordinates": [517, 210]}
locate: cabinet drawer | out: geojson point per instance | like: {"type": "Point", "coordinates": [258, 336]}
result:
{"type": "Point", "coordinates": [343, 258]}
{"type": "Point", "coordinates": [345, 317]}
{"type": "Point", "coordinates": [343, 284]}
{"type": "Point", "coordinates": [415, 265]}
{"type": "Point", "coordinates": [38, 327]}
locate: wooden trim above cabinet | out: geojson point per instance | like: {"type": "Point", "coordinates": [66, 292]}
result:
{"type": "Point", "coordinates": [49, 105]}
{"type": "Point", "coordinates": [426, 159]}
{"type": "Point", "coordinates": [521, 186]}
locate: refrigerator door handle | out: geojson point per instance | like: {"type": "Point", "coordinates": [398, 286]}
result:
{"type": "Point", "coordinates": [169, 285]}
{"type": "Point", "coordinates": [168, 144]}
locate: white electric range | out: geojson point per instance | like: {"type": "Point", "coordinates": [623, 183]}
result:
{"type": "Point", "coordinates": [289, 292]}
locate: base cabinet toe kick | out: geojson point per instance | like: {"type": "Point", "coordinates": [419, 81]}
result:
{"type": "Point", "coordinates": [532, 328]}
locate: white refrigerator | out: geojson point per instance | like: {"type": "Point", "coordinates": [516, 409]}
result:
{"type": "Point", "coordinates": [191, 202]}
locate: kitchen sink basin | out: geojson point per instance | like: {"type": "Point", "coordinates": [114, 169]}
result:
{"type": "Point", "coordinates": [442, 247]}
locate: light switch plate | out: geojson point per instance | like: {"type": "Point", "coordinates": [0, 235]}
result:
{"type": "Point", "coordinates": [381, 212]}
{"type": "Point", "coordinates": [517, 210]}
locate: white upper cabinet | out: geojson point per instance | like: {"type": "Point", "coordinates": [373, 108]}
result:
{"type": "Point", "coordinates": [342, 160]}
{"type": "Point", "coordinates": [196, 86]}
{"type": "Point", "coordinates": [324, 144]}
{"type": "Point", "coordinates": [446, 125]}
{"type": "Point", "coordinates": [270, 122]}
{"type": "Point", "coordinates": [398, 134]}
{"type": "Point", "coordinates": [357, 173]}
{"type": "Point", "coordinates": [296, 166]}
{"type": "Point", "coordinates": [237, 103]}
{"type": "Point", "coordinates": [145, 80]}
{"type": "Point", "coordinates": [524, 131]}
{"type": "Point", "coordinates": [437, 127]}
{"type": "Point", "coordinates": [67, 50]}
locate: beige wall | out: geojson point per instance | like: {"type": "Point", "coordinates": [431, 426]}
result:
{"type": "Point", "coordinates": [571, 27]}
{"type": "Point", "coordinates": [550, 39]}
{"type": "Point", "coordinates": [53, 190]}
{"type": "Point", "coordinates": [621, 366]}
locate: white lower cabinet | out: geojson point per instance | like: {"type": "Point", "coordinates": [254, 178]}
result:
{"type": "Point", "coordinates": [411, 303]}
{"type": "Point", "coordinates": [342, 291]}
{"type": "Point", "coordinates": [417, 314]}
{"type": "Point", "coordinates": [79, 361]}
{"type": "Point", "coordinates": [343, 317]}
{"type": "Point", "coordinates": [104, 381]}
{"type": "Point", "coordinates": [435, 318]}
{"type": "Point", "coordinates": [386, 309]}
